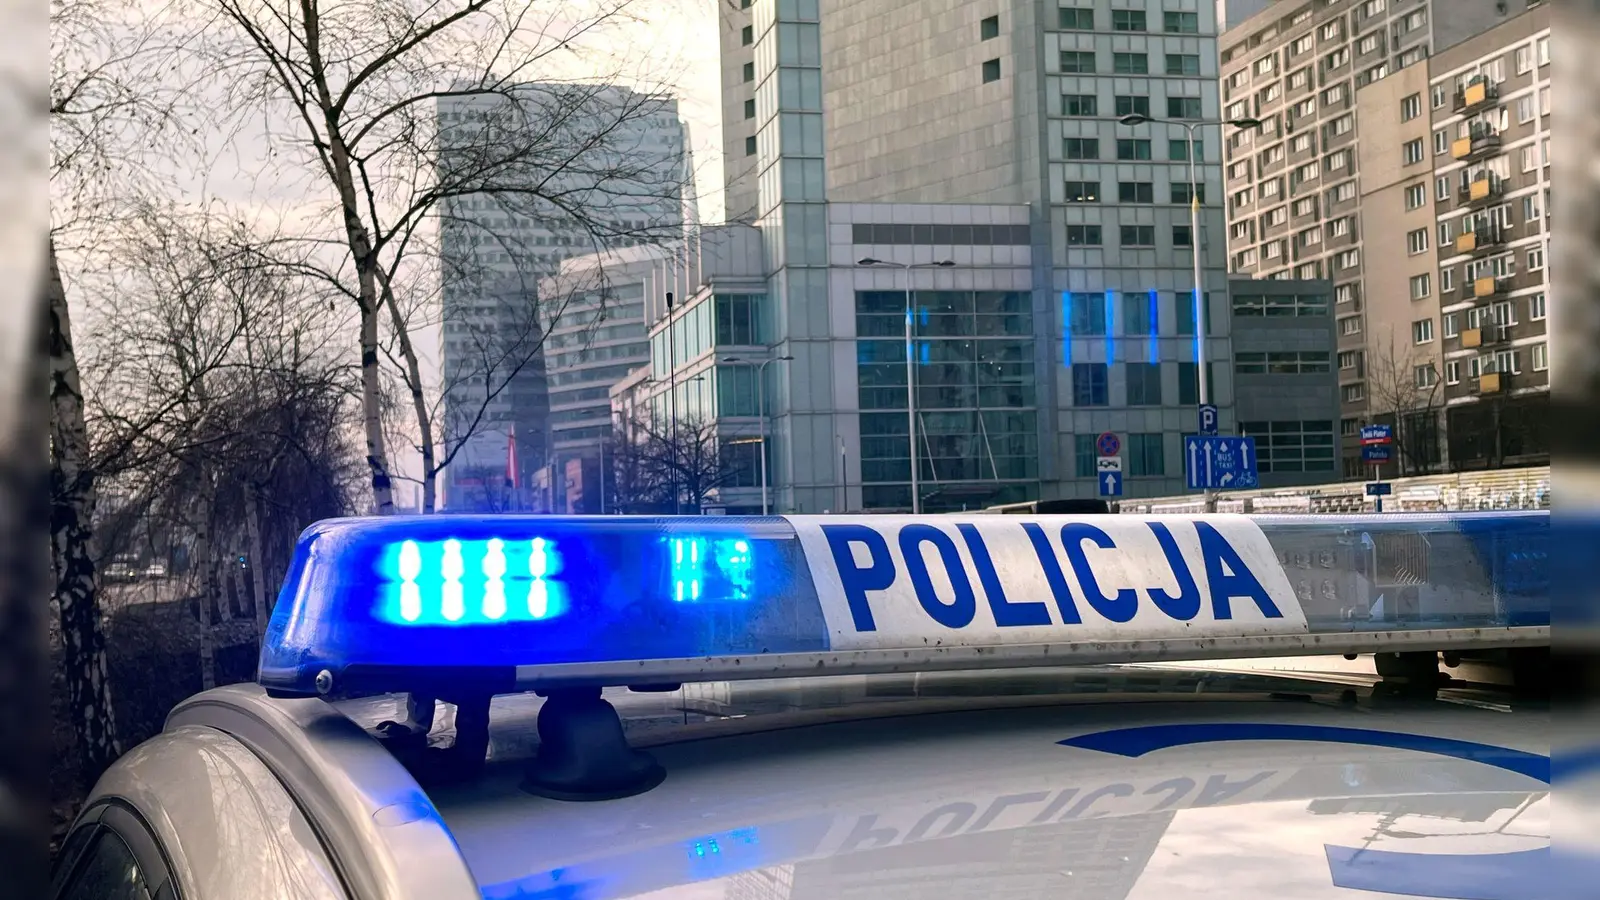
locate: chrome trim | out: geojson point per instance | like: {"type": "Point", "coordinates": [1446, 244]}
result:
{"type": "Point", "coordinates": [935, 659]}
{"type": "Point", "coordinates": [380, 829]}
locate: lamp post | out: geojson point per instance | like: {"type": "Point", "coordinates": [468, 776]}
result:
{"type": "Point", "coordinates": [911, 396]}
{"type": "Point", "coordinates": [761, 409]}
{"type": "Point", "coordinates": [1202, 381]}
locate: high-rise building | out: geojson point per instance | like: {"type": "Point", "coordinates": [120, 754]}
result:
{"type": "Point", "coordinates": [1339, 183]}
{"type": "Point", "coordinates": [1490, 112]}
{"type": "Point", "coordinates": [1072, 226]}
{"type": "Point", "coordinates": [584, 154]}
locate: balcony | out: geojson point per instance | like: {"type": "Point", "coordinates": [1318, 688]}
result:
{"type": "Point", "coordinates": [1487, 335]}
{"type": "Point", "coordinates": [1481, 142]}
{"type": "Point", "coordinates": [1481, 191]}
{"type": "Point", "coordinates": [1488, 286]}
{"type": "Point", "coordinates": [1491, 383]}
{"type": "Point", "coordinates": [1478, 94]}
{"type": "Point", "coordinates": [1481, 240]}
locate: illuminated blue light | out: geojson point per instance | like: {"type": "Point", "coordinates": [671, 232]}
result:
{"type": "Point", "coordinates": [494, 586]}
{"type": "Point", "coordinates": [1199, 330]}
{"type": "Point", "coordinates": [1155, 327]}
{"type": "Point", "coordinates": [1066, 328]}
{"type": "Point", "coordinates": [1111, 319]}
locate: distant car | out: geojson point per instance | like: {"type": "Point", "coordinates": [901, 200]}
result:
{"type": "Point", "coordinates": [831, 707]}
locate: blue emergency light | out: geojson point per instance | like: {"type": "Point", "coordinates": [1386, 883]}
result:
{"type": "Point", "coordinates": [531, 602]}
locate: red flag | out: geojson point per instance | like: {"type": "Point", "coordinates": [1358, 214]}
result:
{"type": "Point", "coordinates": [511, 461]}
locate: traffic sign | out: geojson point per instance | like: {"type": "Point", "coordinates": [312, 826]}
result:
{"type": "Point", "coordinates": [1379, 489]}
{"type": "Point", "coordinates": [1108, 444]}
{"type": "Point", "coordinates": [1220, 463]}
{"type": "Point", "coordinates": [1375, 453]}
{"type": "Point", "coordinates": [1108, 464]}
{"type": "Point", "coordinates": [1111, 482]}
{"type": "Point", "coordinates": [1208, 419]}
{"type": "Point", "coordinates": [1377, 434]}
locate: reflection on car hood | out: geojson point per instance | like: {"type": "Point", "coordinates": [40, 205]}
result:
{"type": "Point", "coordinates": [1089, 797]}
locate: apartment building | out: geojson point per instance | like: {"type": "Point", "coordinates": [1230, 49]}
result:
{"type": "Point", "coordinates": [1490, 103]}
{"type": "Point", "coordinates": [1325, 188]}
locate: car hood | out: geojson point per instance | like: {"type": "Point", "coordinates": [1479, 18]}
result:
{"type": "Point", "coordinates": [1301, 796]}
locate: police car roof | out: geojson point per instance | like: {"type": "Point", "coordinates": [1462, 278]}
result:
{"type": "Point", "coordinates": [1113, 782]}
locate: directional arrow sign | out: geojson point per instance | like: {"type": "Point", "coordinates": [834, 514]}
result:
{"type": "Point", "coordinates": [1220, 463]}
{"type": "Point", "coordinates": [1111, 483]}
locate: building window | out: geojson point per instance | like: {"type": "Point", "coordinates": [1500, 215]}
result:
{"type": "Point", "coordinates": [1076, 19]}
{"type": "Point", "coordinates": [1077, 62]}
{"type": "Point", "coordinates": [749, 71]}
{"type": "Point", "coordinates": [1085, 458]}
{"type": "Point", "coordinates": [1189, 384]}
{"type": "Point", "coordinates": [750, 146]}
{"type": "Point", "coordinates": [1147, 455]}
{"type": "Point", "coordinates": [1088, 314]}
{"type": "Point", "coordinates": [1183, 107]}
{"type": "Point", "coordinates": [1144, 384]}
{"type": "Point", "coordinates": [1441, 142]}
{"type": "Point", "coordinates": [1350, 325]}
{"type": "Point", "coordinates": [989, 28]}
{"type": "Point", "coordinates": [1349, 360]}
{"type": "Point", "coordinates": [747, 36]}
{"type": "Point", "coordinates": [1424, 376]}
{"type": "Point", "coordinates": [1089, 386]}
{"type": "Point", "coordinates": [1368, 42]}
{"type": "Point", "coordinates": [1083, 235]}
{"type": "Point", "coordinates": [1293, 446]}
{"type": "Point", "coordinates": [991, 70]}
{"type": "Point", "coordinates": [1352, 393]}
{"type": "Point", "coordinates": [1182, 236]}
{"type": "Point", "coordinates": [1183, 64]}
{"type": "Point", "coordinates": [1081, 148]}
{"type": "Point", "coordinates": [1082, 192]}
{"type": "Point", "coordinates": [1128, 20]}
{"type": "Point", "coordinates": [1138, 314]}
{"type": "Point", "coordinates": [1536, 307]}
{"type": "Point", "coordinates": [1422, 331]}
{"type": "Point", "coordinates": [1441, 188]}
{"type": "Point", "coordinates": [1130, 63]}
{"type": "Point", "coordinates": [1411, 151]}
{"type": "Point", "coordinates": [1415, 196]}
{"type": "Point", "coordinates": [1128, 105]}
{"type": "Point", "coordinates": [1421, 286]}
{"type": "Point", "coordinates": [1180, 23]}
{"type": "Point", "coordinates": [1265, 64]}
{"type": "Point", "coordinates": [1136, 192]}
{"type": "Point", "coordinates": [1183, 302]}
{"type": "Point", "coordinates": [1349, 259]}
{"type": "Point", "coordinates": [1541, 357]}
{"type": "Point", "coordinates": [1544, 51]}
{"type": "Point", "coordinates": [1133, 148]}
{"type": "Point", "coordinates": [1080, 105]}
{"type": "Point", "coordinates": [1291, 362]}
{"type": "Point", "coordinates": [1138, 235]}
{"type": "Point", "coordinates": [1303, 45]}
{"type": "Point", "coordinates": [1341, 125]}
{"type": "Point", "coordinates": [1417, 241]}
{"type": "Point", "coordinates": [1452, 372]}
{"type": "Point", "coordinates": [1410, 107]}
{"type": "Point", "coordinates": [1179, 150]}
{"type": "Point", "coordinates": [1180, 192]}
{"type": "Point", "coordinates": [750, 109]}
{"type": "Point", "coordinates": [1535, 259]}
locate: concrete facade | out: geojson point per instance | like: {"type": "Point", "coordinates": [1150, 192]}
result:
{"type": "Point", "coordinates": [1329, 78]}
{"type": "Point", "coordinates": [1284, 351]}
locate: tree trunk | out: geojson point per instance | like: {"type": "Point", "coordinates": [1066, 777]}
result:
{"type": "Point", "coordinates": [72, 502]}
{"type": "Point", "coordinates": [419, 403]}
{"type": "Point", "coordinates": [205, 555]}
{"type": "Point", "coordinates": [258, 562]}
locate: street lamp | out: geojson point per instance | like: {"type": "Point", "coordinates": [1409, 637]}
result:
{"type": "Point", "coordinates": [911, 397]}
{"type": "Point", "coordinates": [1202, 382]}
{"type": "Point", "coordinates": [761, 409]}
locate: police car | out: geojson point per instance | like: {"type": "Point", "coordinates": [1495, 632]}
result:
{"type": "Point", "coordinates": [806, 707]}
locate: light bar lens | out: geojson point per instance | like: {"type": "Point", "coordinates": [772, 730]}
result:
{"type": "Point", "coordinates": [386, 604]}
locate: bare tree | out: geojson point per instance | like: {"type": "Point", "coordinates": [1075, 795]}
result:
{"type": "Point", "coordinates": [368, 83]}
{"type": "Point", "coordinates": [658, 468]}
{"type": "Point", "coordinates": [1404, 390]}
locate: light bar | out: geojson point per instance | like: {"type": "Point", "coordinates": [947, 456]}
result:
{"type": "Point", "coordinates": [523, 602]}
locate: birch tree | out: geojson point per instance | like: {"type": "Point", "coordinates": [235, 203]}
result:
{"type": "Point", "coordinates": [1404, 385]}
{"type": "Point", "coordinates": [366, 85]}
